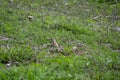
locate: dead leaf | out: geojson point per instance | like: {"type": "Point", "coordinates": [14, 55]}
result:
{"type": "Point", "coordinates": [96, 17]}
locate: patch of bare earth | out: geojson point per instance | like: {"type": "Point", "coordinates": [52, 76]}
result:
{"type": "Point", "coordinates": [4, 38]}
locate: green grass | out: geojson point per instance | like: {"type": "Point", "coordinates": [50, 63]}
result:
{"type": "Point", "coordinates": [25, 44]}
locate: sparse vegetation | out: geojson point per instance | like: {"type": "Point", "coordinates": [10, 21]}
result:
{"type": "Point", "coordinates": [26, 52]}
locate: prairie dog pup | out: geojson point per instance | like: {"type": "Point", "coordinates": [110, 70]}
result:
{"type": "Point", "coordinates": [54, 43]}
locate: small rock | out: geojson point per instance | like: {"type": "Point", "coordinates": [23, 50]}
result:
{"type": "Point", "coordinates": [116, 29]}
{"type": "Point", "coordinates": [3, 38]}
{"type": "Point", "coordinates": [30, 18]}
{"type": "Point", "coordinates": [16, 63]}
{"type": "Point", "coordinates": [8, 64]}
{"type": "Point", "coordinates": [108, 45]}
{"type": "Point", "coordinates": [116, 50]}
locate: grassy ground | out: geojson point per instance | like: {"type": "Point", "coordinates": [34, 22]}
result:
{"type": "Point", "coordinates": [24, 44]}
